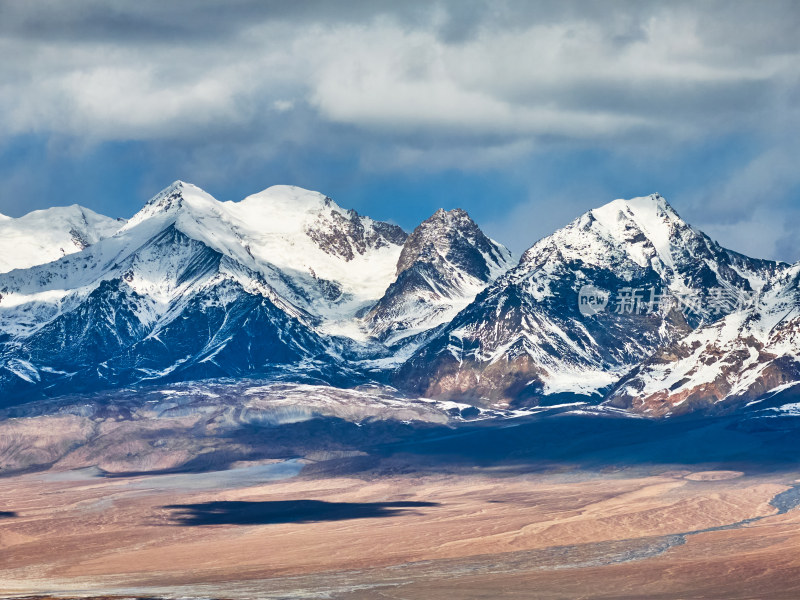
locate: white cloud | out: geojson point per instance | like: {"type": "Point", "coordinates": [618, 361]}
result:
{"type": "Point", "coordinates": [573, 79]}
{"type": "Point", "coordinates": [541, 81]}
{"type": "Point", "coordinates": [453, 85]}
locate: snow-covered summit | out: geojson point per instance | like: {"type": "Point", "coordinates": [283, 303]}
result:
{"type": "Point", "coordinates": [649, 216]}
{"type": "Point", "coordinates": [286, 279]}
{"type": "Point", "coordinates": [328, 261]}
{"type": "Point", "coordinates": [46, 235]}
{"type": "Point", "coordinates": [169, 202]}
{"type": "Point", "coordinates": [644, 231]}
{"type": "Point", "coordinates": [199, 287]}
{"type": "Point", "coordinates": [290, 199]}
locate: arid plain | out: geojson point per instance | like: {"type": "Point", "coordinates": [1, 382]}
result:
{"type": "Point", "coordinates": [484, 532]}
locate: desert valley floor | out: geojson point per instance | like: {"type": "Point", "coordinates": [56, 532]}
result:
{"type": "Point", "coordinates": [289, 529]}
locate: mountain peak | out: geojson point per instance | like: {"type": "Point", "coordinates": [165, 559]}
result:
{"type": "Point", "coordinates": [649, 212]}
{"type": "Point", "coordinates": [438, 236]}
{"type": "Point", "coordinates": [286, 276]}
{"type": "Point", "coordinates": [441, 212]}
{"type": "Point", "coordinates": [445, 262]}
{"type": "Point", "coordinates": [169, 201]}
{"type": "Point", "coordinates": [450, 218]}
{"type": "Point", "coordinates": [177, 187]}
{"type": "Point", "coordinates": [640, 228]}
{"type": "Point", "coordinates": [450, 221]}
{"type": "Point", "coordinates": [291, 198]}
{"type": "Point", "coordinates": [42, 236]}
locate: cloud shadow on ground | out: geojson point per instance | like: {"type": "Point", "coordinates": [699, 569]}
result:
{"type": "Point", "coordinates": [285, 511]}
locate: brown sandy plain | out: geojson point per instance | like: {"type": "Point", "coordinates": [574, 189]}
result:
{"type": "Point", "coordinates": [481, 534]}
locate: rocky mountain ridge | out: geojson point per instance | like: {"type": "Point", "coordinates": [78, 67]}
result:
{"type": "Point", "coordinates": [527, 337]}
{"type": "Point", "coordinates": [616, 307]}
{"type": "Point", "coordinates": [742, 358]}
{"type": "Point", "coordinates": [193, 288]}
{"type": "Point", "coordinates": [445, 262]}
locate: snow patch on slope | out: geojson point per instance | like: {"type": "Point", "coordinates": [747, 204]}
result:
{"type": "Point", "coordinates": [747, 352]}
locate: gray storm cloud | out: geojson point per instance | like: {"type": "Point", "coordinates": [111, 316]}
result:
{"type": "Point", "coordinates": [423, 85]}
{"type": "Point", "coordinates": [504, 69]}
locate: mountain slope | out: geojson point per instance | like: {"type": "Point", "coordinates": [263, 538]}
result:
{"type": "Point", "coordinates": [527, 337]}
{"type": "Point", "coordinates": [325, 260]}
{"type": "Point", "coordinates": [43, 236]}
{"type": "Point", "coordinates": [444, 263]}
{"type": "Point", "coordinates": [191, 287]}
{"type": "Point", "coordinates": [741, 358]}
{"type": "Point", "coordinates": [621, 303]}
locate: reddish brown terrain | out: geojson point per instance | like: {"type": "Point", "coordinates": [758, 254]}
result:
{"type": "Point", "coordinates": [488, 533]}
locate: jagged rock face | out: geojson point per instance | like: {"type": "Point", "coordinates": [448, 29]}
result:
{"type": "Point", "coordinates": [726, 364]}
{"type": "Point", "coordinates": [194, 288]}
{"type": "Point", "coordinates": [220, 331]}
{"type": "Point", "coordinates": [646, 236]}
{"type": "Point", "coordinates": [103, 324]}
{"type": "Point", "coordinates": [510, 347]}
{"type": "Point", "coordinates": [344, 234]}
{"type": "Point", "coordinates": [452, 236]}
{"type": "Point", "coordinates": [46, 235]}
{"type": "Point", "coordinates": [526, 338]}
{"type": "Point", "coordinates": [198, 322]}
{"type": "Point", "coordinates": [444, 263]}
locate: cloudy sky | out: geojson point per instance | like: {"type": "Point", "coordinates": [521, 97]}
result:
{"type": "Point", "coordinates": [524, 113]}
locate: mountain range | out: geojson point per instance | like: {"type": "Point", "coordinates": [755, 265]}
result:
{"type": "Point", "coordinates": [628, 306]}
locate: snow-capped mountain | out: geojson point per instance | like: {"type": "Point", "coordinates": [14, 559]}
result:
{"type": "Point", "coordinates": [741, 358]}
{"type": "Point", "coordinates": [43, 236]}
{"type": "Point", "coordinates": [192, 287]}
{"type": "Point", "coordinates": [444, 263]}
{"type": "Point", "coordinates": [623, 303]}
{"type": "Point", "coordinates": [527, 336]}
{"type": "Point", "coordinates": [326, 261]}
